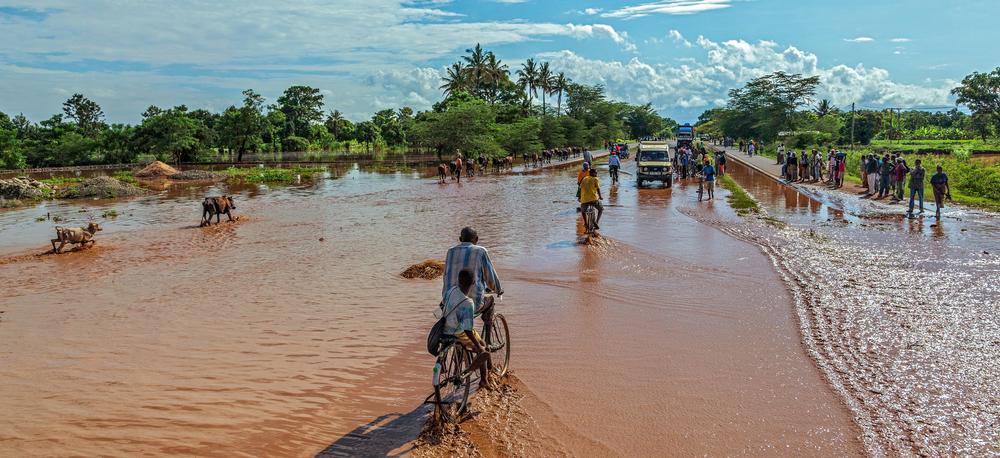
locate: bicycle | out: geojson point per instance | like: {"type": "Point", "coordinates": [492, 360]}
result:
{"type": "Point", "coordinates": [453, 377]}
{"type": "Point", "coordinates": [614, 174]}
{"type": "Point", "coordinates": [589, 219]}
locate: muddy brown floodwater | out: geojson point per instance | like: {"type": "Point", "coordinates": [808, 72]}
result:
{"type": "Point", "coordinates": [682, 330]}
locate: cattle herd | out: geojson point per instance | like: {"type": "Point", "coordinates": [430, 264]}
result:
{"type": "Point", "coordinates": [458, 168]}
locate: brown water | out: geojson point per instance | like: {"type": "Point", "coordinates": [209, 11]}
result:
{"type": "Point", "coordinates": [666, 335]}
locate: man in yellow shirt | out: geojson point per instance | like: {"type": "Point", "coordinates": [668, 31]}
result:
{"type": "Point", "coordinates": [590, 195]}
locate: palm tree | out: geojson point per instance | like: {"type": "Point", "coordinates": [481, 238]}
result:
{"type": "Point", "coordinates": [497, 73]}
{"type": "Point", "coordinates": [475, 65]}
{"type": "Point", "coordinates": [823, 108]}
{"type": "Point", "coordinates": [527, 76]}
{"type": "Point", "coordinates": [333, 122]}
{"type": "Point", "coordinates": [559, 84]}
{"type": "Point", "coordinates": [455, 80]}
{"type": "Point", "coordinates": [544, 82]}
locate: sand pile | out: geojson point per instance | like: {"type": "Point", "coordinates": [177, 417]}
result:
{"type": "Point", "coordinates": [196, 175]}
{"type": "Point", "coordinates": [156, 169]}
{"type": "Point", "coordinates": [427, 270]}
{"type": "Point", "coordinates": [103, 187]}
{"type": "Point", "coordinates": [23, 188]}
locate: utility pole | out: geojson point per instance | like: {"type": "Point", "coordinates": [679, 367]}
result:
{"type": "Point", "coordinates": [852, 126]}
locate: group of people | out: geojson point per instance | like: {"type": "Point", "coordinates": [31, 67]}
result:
{"type": "Point", "coordinates": [884, 177]}
{"type": "Point", "coordinates": [748, 147]}
{"type": "Point", "coordinates": [881, 177]}
{"type": "Point", "coordinates": [810, 166]}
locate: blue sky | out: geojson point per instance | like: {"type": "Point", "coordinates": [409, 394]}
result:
{"type": "Point", "coordinates": [680, 55]}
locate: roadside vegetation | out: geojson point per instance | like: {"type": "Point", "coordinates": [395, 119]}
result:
{"type": "Point", "coordinates": [738, 197]}
{"type": "Point", "coordinates": [271, 175]}
{"type": "Point", "coordinates": [779, 108]}
{"type": "Point", "coordinates": [488, 109]}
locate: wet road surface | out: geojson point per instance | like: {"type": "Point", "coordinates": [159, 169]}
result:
{"type": "Point", "coordinates": [669, 333]}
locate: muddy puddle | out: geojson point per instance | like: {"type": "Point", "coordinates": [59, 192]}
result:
{"type": "Point", "coordinates": [667, 334]}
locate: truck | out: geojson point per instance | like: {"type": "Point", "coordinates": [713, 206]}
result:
{"type": "Point", "coordinates": [685, 135]}
{"type": "Point", "coordinates": [654, 163]}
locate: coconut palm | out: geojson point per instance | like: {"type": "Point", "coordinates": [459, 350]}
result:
{"type": "Point", "coordinates": [544, 82]}
{"type": "Point", "coordinates": [475, 66]}
{"type": "Point", "coordinates": [823, 108]}
{"type": "Point", "coordinates": [527, 76]}
{"type": "Point", "coordinates": [455, 80]}
{"type": "Point", "coordinates": [496, 74]}
{"type": "Point", "coordinates": [559, 84]}
{"type": "Point", "coordinates": [333, 122]}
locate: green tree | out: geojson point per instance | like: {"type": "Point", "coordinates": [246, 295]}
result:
{"type": "Point", "coordinates": [643, 120]}
{"type": "Point", "coordinates": [981, 93]}
{"type": "Point", "coordinates": [544, 82]}
{"type": "Point", "coordinates": [302, 106]}
{"type": "Point", "coordinates": [86, 113]}
{"type": "Point", "coordinates": [368, 133]}
{"type": "Point", "coordinates": [559, 85]}
{"type": "Point", "coordinates": [11, 156]}
{"type": "Point", "coordinates": [170, 135]}
{"type": "Point", "coordinates": [242, 129]}
{"type": "Point", "coordinates": [455, 79]}
{"type": "Point", "coordinates": [333, 122]}
{"type": "Point", "coordinates": [527, 77]}
{"type": "Point", "coordinates": [552, 134]}
{"type": "Point", "coordinates": [520, 137]}
{"type": "Point", "coordinates": [765, 106]}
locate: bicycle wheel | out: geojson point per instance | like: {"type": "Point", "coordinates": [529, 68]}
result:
{"type": "Point", "coordinates": [500, 343]}
{"type": "Point", "coordinates": [453, 389]}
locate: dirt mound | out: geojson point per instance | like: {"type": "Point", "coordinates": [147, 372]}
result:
{"type": "Point", "coordinates": [156, 169]}
{"type": "Point", "coordinates": [427, 270]}
{"type": "Point", "coordinates": [23, 188]}
{"type": "Point", "coordinates": [102, 187]}
{"type": "Point", "coordinates": [196, 175]}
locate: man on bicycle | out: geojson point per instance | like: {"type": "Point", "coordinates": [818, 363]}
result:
{"type": "Point", "coordinates": [614, 163]}
{"type": "Point", "coordinates": [590, 195]}
{"type": "Point", "coordinates": [474, 258]}
{"type": "Point", "coordinates": [460, 312]}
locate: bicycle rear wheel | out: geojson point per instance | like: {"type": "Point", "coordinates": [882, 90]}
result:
{"type": "Point", "coordinates": [453, 389]}
{"type": "Point", "coordinates": [500, 343]}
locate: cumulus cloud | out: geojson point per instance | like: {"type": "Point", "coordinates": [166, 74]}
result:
{"type": "Point", "coordinates": [673, 7]}
{"type": "Point", "coordinates": [678, 38]}
{"type": "Point", "coordinates": [900, 40]}
{"type": "Point", "coordinates": [860, 40]}
{"type": "Point", "coordinates": [704, 83]}
{"type": "Point", "coordinates": [248, 43]}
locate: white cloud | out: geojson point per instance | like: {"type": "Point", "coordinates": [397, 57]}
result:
{"type": "Point", "coordinates": [510, 2]}
{"type": "Point", "coordinates": [860, 39]}
{"type": "Point", "coordinates": [245, 44]}
{"type": "Point", "coordinates": [677, 37]}
{"type": "Point", "coordinates": [900, 40]}
{"type": "Point", "coordinates": [673, 7]}
{"type": "Point", "coordinates": [591, 11]}
{"type": "Point", "coordinates": [731, 63]}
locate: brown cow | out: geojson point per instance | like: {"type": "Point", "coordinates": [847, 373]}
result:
{"type": "Point", "coordinates": [216, 206]}
{"type": "Point", "coordinates": [442, 173]}
{"type": "Point", "coordinates": [74, 235]}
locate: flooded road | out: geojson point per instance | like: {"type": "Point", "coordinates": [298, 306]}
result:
{"type": "Point", "coordinates": [670, 332]}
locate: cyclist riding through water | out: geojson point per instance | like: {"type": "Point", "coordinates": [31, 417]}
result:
{"type": "Point", "coordinates": [614, 163]}
{"type": "Point", "coordinates": [476, 259]}
{"type": "Point", "coordinates": [590, 196]}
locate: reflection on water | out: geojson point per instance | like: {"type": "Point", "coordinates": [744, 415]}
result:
{"type": "Point", "coordinates": [282, 333]}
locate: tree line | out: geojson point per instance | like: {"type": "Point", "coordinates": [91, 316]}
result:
{"type": "Point", "coordinates": [782, 106]}
{"type": "Point", "coordinates": [484, 111]}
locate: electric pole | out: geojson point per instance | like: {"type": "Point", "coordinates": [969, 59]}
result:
{"type": "Point", "coordinates": [852, 126]}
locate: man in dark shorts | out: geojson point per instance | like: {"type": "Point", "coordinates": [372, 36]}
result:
{"type": "Point", "coordinates": [939, 182]}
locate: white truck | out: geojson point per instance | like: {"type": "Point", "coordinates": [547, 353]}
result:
{"type": "Point", "coordinates": [654, 163]}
